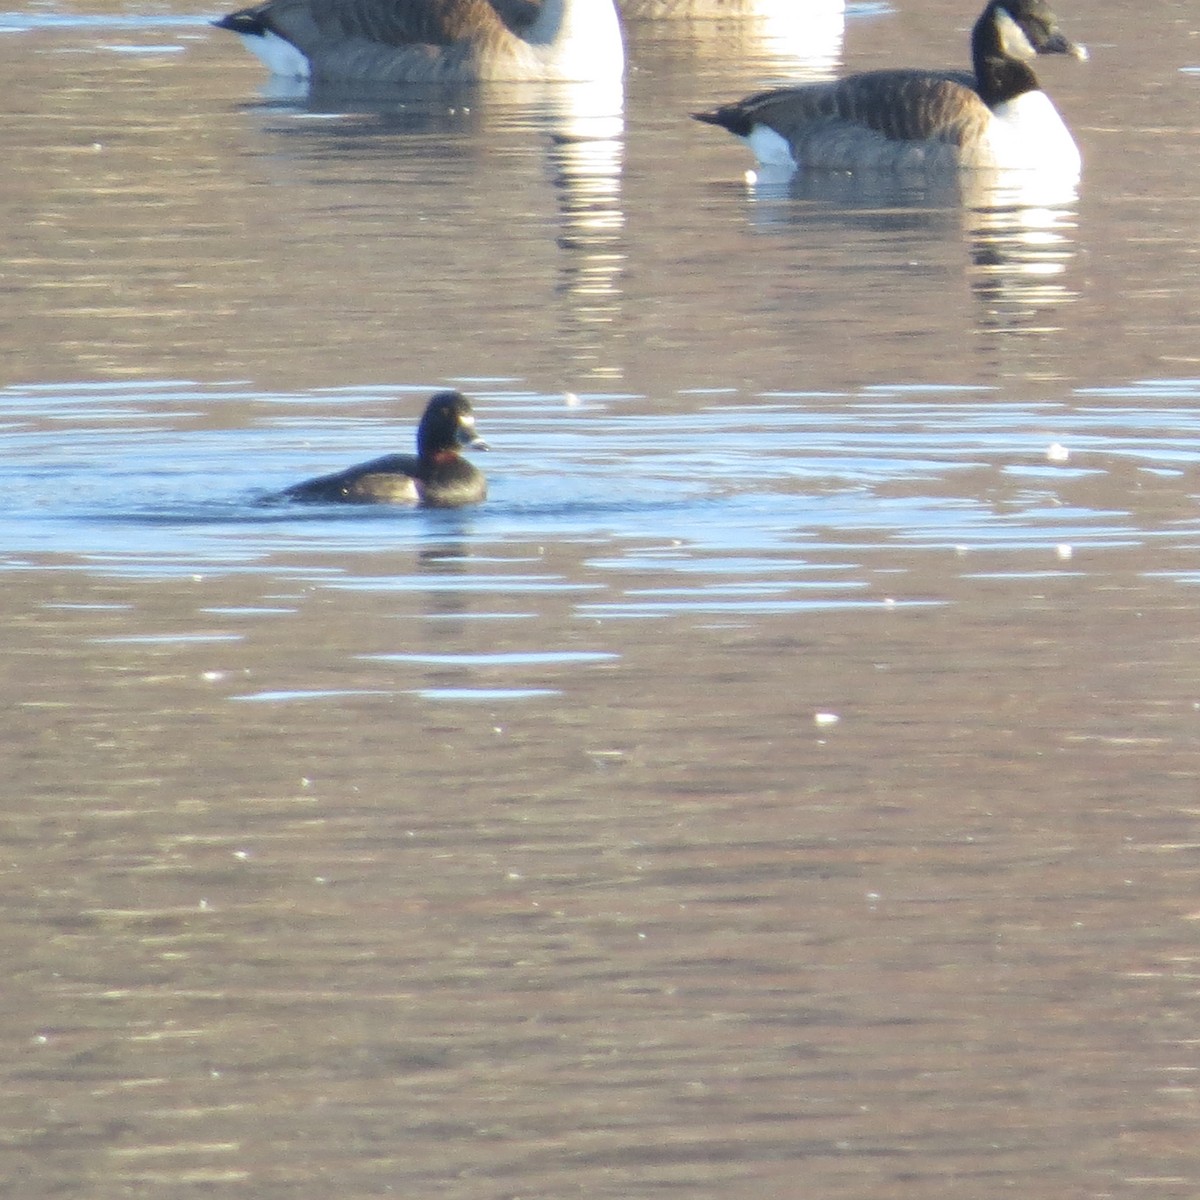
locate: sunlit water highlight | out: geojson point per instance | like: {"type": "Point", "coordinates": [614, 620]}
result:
{"type": "Point", "coordinates": [708, 506]}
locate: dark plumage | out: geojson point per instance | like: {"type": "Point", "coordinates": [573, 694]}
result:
{"type": "Point", "coordinates": [437, 476]}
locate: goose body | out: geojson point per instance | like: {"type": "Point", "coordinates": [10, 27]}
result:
{"type": "Point", "coordinates": [902, 120]}
{"type": "Point", "coordinates": [437, 476]}
{"type": "Point", "coordinates": [434, 41]}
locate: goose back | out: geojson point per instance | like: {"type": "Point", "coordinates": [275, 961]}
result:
{"type": "Point", "coordinates": [434, 41]}
{"type": "Point", "coordinates": [882, 119]}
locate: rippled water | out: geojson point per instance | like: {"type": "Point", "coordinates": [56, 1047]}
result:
{"type": "Point", "coordinates": [784, 784]}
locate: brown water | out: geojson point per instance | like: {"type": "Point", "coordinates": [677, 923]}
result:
{"type": "Point", "coordinates": [785, 785]}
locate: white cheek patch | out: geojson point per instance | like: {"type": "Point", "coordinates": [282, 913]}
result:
{"type": "Point", "coordinates": [1013, 41]}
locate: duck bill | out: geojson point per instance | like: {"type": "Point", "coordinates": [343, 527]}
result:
{"type": "Point", "coordinates": [468, 437]}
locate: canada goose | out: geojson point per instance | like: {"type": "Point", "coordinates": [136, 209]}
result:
{"type": "Point", "coordinates": [434, 41]}
{"type": "Point", "coordinates": [437, 476]}
{"type": "Point", "coordinates": [923, 120]}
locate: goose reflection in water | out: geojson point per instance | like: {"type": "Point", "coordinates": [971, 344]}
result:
{"type": "Point", "coordinates": [1021, 238]}
{"type": "Point", "coordinates": [723, 10]}
{"type": "Point", "coordinates": [585, 160]}
{"type": "Point", "coordinates": [578, 130]}
{"type": "Point", "coordinates": [1017, 230]}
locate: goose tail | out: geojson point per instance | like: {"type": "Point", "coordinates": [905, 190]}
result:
{"type": "Point", "coordinates": [732, 117]}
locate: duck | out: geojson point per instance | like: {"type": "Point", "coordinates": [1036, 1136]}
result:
{"type": "Point", "coordinates": [434, 41]}
{"type": "Point", "coordinates": [911, 120]}
{"type": "Point", "coordinates": [437, 476]}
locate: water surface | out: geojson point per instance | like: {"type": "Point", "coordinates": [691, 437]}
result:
{"type": "Point", "coordinates": [784, 783]}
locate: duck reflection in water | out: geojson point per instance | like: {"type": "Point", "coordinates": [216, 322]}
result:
{"type": "Point", "coordinates": [437, 476]}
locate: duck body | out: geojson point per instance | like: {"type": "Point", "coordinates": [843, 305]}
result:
{"type": "Point", "coordinates": [902, 120]}
{"type": "Point", "coordinates": [433, 41]}
{"type": "Point", "coordinates": [437, 476]}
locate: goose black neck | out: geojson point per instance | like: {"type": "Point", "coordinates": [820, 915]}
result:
{"type": "Point", "coordinates": [998, 76]}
